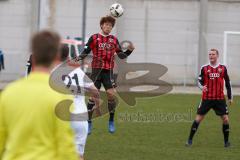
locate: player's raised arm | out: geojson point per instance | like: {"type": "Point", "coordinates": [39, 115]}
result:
{"type": "Point", "coordinates": [121, 54]}
{"type": "Point", "coordinates": [87, 49]}
{"type": "Point", "coordinates": [228, 85]}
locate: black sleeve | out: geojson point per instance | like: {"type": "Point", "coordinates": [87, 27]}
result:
{"type": "Point", "coordinates": [87, 48]}
{"type": "Point", "coordinates": [201, 78]}
{"type": "Point", "coordinates": [120, 53]}
{"type": "Point", "coordinates": [228, 84]}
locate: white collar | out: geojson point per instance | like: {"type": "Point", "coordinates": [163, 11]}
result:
{"type": "Point", "coordinates": [104, 35]}
{"type": "Point", "coordinates": [215, 65]}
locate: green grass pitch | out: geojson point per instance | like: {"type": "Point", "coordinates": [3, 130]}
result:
{"type": "Point", "coordinates": [157, 128]}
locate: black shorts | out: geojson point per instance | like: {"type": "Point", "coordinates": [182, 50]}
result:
{"type": "Point", "coordinates": [103, 76]}
{"type": "Point", "coordinates": [219, 106]}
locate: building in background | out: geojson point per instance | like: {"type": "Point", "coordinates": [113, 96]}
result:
{"type": "Point", "coordinates": [174, 33]}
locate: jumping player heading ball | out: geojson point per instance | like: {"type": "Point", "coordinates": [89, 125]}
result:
{"type": "Point", "coordinates": [104, 46]}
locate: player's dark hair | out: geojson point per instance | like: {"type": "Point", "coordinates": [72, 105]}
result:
{"type": "Point", "coordinates": [64, 52]}
{"type": "Point", "coordinates": [45, 46]}
{"type": "Point", "coordinates": [215, 50]}
{"type": "Point", "coordinates": [109, 19]}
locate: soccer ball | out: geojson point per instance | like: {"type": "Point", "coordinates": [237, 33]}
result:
{"type": "Point", "coordinates": [116, 10]}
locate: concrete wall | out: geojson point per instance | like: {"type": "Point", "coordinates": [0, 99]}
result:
{"type": "Point", "coordinates": [17, 22]}
{"type": "Point", "coordinates": [225, 17]}
{"type": "Point", "coordinates": [163, 31]}
{"type": "Point", "coordinates": [69, 16]}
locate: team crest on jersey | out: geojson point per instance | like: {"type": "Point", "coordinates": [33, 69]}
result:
{"type": "Point", "coordinates": [208, 71]}
{"type": "Point", "coordinates": [220, 70]}
{"type": "Point", "coordinates": [110, 40]}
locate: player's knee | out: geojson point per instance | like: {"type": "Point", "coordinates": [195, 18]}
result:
{"type": "Point", "coordinates": [110, 96]}
{"type": "Point", "coordinates": [225, 119]}
{"type": "Point", "coordinates": [199, 118]}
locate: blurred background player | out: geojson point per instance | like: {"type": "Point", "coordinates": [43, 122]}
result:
{"type": "Point", "coordinates": [29, 128]}
{"type": "Point", "coordinates": [80, 127]}
{"type": "Point", "coordinates": [1, 60]}
{"type": "Point", "coordinates": [28, 66]}
{"type": "Point", "coordinates": [211, 81]}
{"type": "Point", "coordinates": [104, 46]}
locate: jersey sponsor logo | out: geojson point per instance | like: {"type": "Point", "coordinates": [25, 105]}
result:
{"type": "Point", "coordinates": [103, 46]}
{"type": "Point", "coordinates": [214, 75]}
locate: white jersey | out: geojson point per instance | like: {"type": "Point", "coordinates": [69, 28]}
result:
{"type": "Point", "coordinates": [79, 100]}
{"type": "Point", "coordinates": [80, 127]}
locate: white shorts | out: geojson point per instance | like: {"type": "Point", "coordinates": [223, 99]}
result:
{"type": "Point", "coordinates": [81, 131]}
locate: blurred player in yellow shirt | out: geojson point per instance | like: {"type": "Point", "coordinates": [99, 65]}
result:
{"type": "Point", "coordinates": [29, 128]}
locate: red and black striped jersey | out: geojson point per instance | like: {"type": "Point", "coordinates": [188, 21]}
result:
{"type": "Point", "coordinates": [213, 78]}
{"type": "Point", "coordinates": [104, 49]}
